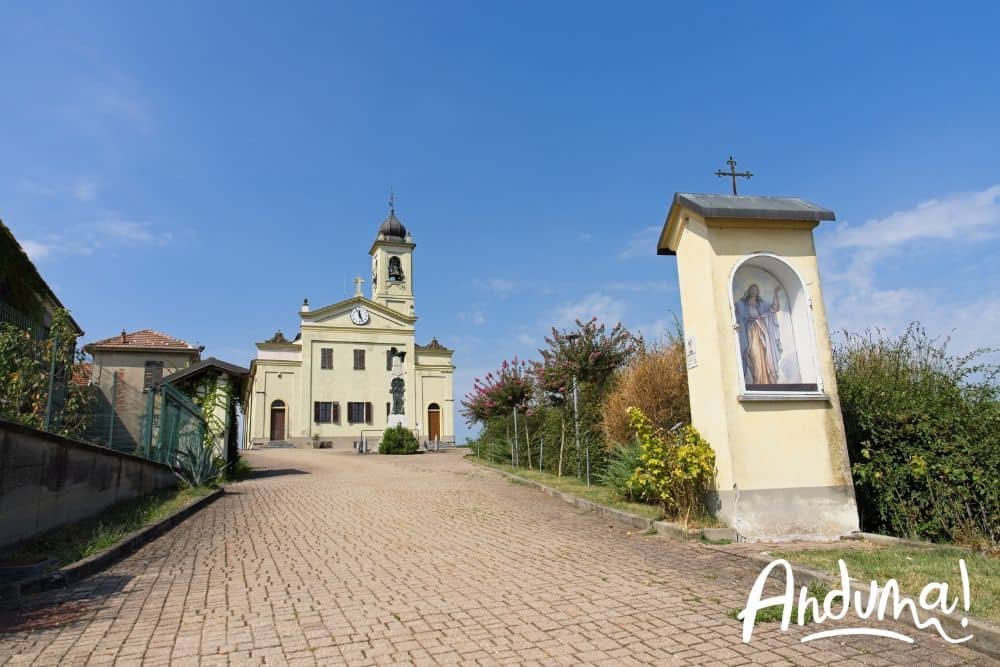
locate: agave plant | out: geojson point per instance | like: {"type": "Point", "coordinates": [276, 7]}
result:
{"type": "Point", "coordinates": [198, 465]}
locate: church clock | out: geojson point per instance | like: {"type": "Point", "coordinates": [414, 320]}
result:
{"type": "Point", "coordinates": [359, 315]}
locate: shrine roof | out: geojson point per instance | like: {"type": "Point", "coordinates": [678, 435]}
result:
{"type": "Point", "coordinates": [753, 207]}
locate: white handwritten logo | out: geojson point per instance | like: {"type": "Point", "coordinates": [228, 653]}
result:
{"type": "Point", "coordinates": [877, 602]}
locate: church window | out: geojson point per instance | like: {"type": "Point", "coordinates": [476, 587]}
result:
{"type": "Point", "coordinates": [395, 269]}
{"type": "Point", "coordinates": [326, 358]}
{"type": "Point", "coordinates": [323, 412]}
{"type": "Point", "coordinates": [359, 413]}
{"type": "Point", "coordinates": [359, 360]}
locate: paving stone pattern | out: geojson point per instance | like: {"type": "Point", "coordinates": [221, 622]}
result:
{"type": "Point", "coordinates": [326, 557]}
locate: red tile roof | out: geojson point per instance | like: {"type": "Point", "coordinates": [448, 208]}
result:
{"type": "Point", "coordinates": [142, 339]}
{"type": "Point", "coordinates": [81, 373]}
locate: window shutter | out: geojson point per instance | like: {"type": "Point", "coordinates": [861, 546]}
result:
{"type": "Point", "coordinates": [316, 415]}
{"type": "Point", "coordinates": [359, 360]}
{"type": "Point", "coordinates": [336, 413]}
{"type": "Point", "coordinates": [387, 409]}
{"type": "Point", "coordinates": [152, 373]}
{"type": "Point", "coordinates": [368, 413]}
{"type": "Point", "coordinates": [388, 360]}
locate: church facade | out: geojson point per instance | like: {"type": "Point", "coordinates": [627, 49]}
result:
{"type": "Point", "coordinates": [355, 367]}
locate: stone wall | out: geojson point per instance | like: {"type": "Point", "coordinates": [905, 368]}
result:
{"type": "Point", "coordinates": [47, 480]}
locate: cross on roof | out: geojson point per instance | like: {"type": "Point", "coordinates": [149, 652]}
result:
{"type": "Point", "coordinates": [732, 173]}
{"type": "Point", "coordinates": [357, 285]}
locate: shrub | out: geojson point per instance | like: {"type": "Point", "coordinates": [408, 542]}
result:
{"type": "Point", "coordinates": [655, 382]}
{"type": "Point", "coordinates": [622, 464]}
{"type": "Point", "coordinates": [398, 440]}
{"type": "Point", "coordinates": [676, 469]}
{"type": "Point", "coordinates": [923, 433]}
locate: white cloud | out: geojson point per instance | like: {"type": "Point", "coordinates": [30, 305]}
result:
{"type": "Point", "coordinates": [501, 285]}
{"type": "Point", "coordinates": [605, 308]}
{"type": "Point", "coordinates": [964, 217]}
{"type": "Point", "coordinates": [586, 236]}
{"type": "Point", "coordinates": [130, 232]}
{"type": "Point", "coordinates": [642, 243]}
{"type": "Point", "coordinates": [478, 318]}
{"type": "Point", "coordinates": [85, 190]}
{"type": "Point", "coordinates": [857, 299]}
{"type": "Point", "coordinates": [525, 339]}
{"type": "Point", "coordinates": [35, 249]}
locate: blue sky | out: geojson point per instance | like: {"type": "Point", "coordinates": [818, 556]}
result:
{"type": "Point", "coordinates": [199, 168]}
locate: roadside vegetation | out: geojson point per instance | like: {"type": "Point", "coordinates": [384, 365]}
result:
{"type": "Point", "coordinates": [68, 544]}
{"type": "Point", "coordinates": [922, 427]}
{"type": "Point", "coordinates": [914, 568]}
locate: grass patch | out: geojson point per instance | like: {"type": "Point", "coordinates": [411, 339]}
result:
{"type": "Point", "coordinates": [238, 471]}
{"type": "Point", "coordinates": [68, 544]}
{"type": "Point", "coordinates": [773, 614]}
{"type": "Point", "coordinates": [595, 492]}
{"type": "Point", "coordinates": [914, 568]}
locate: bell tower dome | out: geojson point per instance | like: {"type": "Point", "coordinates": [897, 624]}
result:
{"type": "Point", "coordinates": [392, 264]}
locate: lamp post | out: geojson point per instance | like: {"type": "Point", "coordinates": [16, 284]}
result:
{"type": "Point", "coordinates": [576, 418]}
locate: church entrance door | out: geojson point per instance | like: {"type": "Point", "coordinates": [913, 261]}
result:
{"type": "Point", "coordinates": [433, 422]}
{"type": "Point", "coordinates": [278, 420]}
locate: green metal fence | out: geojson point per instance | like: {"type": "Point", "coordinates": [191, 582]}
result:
{"type": "Point", "coordinates": [60, 395]}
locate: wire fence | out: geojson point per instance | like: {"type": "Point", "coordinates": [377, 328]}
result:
{"type": "Point", "coordinates": [45, 383]}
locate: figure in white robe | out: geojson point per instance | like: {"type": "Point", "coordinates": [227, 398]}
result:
{"type": "Point", "coordinates": [760, 340]}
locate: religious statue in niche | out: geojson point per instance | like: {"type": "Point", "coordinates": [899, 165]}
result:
{"type": "Point", "coordinates": [768, 347]}
{"type": "Point", "coordinates": [395, 269]}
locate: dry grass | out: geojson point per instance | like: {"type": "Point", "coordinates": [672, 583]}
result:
{"type": "Point", "coordinates": [655, 382]}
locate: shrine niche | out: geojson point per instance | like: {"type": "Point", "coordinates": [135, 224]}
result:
{"type": "Point", "coordinates": [773, 325]}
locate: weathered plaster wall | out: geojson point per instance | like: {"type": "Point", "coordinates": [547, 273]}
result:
{"type": "Point", "coordinates": [47, 480]}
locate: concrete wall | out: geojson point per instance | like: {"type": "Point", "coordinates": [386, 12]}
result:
{"type": "Point", "coordinates": [47, 481]}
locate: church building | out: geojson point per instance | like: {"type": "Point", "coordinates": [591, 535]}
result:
{"type": "Point", "coordinates": [355, 367]}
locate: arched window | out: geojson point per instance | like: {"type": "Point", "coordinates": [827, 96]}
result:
{"type": "Point", "coordinates": [773, 324]}
{"type": "Point", "coordinates": [395, 269]}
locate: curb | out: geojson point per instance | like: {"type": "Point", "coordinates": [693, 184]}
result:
{"type": "Point", "coordinates": [985, 637]}
{"type": "Point", "coordinates": [129, 544]}
{"type": "Point", "coordinates": [666, 529]}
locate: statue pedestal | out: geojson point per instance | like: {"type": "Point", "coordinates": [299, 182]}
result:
{"type": "Point", "coordinates": [397, 420]}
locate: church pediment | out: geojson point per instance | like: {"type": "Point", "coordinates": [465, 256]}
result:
{"type": "Point", "coordinates": [340, 315]}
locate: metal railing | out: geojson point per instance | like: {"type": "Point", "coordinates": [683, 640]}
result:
{"type": "Point", "coordinates": [61, 395]}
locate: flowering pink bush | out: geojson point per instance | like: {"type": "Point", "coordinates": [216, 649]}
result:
{"type": "Point", "coordinates": [499, 392]}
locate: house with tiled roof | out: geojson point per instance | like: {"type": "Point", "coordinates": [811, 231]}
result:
{"type": "Point", "coordinates": [26, 300]}
{"type": "Point", "coordinates": [124, 369]}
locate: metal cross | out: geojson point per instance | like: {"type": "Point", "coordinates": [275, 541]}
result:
{"type": "Point", "coordinates": [732, 173]}
{"type": "Point", "coordinates": [392, 202]}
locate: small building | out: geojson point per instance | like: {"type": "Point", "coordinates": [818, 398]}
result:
{"type": "Point", "coordinates": [223, 384]}
{"type": "Point", "coordinates": [124, 369]}
{"type": "Point", "coordinates": [355, 367]}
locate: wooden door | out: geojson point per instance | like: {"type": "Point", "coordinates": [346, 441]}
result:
{"type": "Point", "coordinates": [433, 422]}
{"type": "Point", "coordinates": [277, 423]}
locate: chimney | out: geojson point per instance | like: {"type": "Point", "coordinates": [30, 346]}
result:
{"type": "Point", "coordinates": [124, 340]}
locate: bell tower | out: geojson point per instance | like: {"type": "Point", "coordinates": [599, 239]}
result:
{"type": "Point", "coordinates": [392, 265]}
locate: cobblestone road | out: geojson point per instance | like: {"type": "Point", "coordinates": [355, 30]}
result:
{"type": "Point", "coordinates": [326, 558]}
